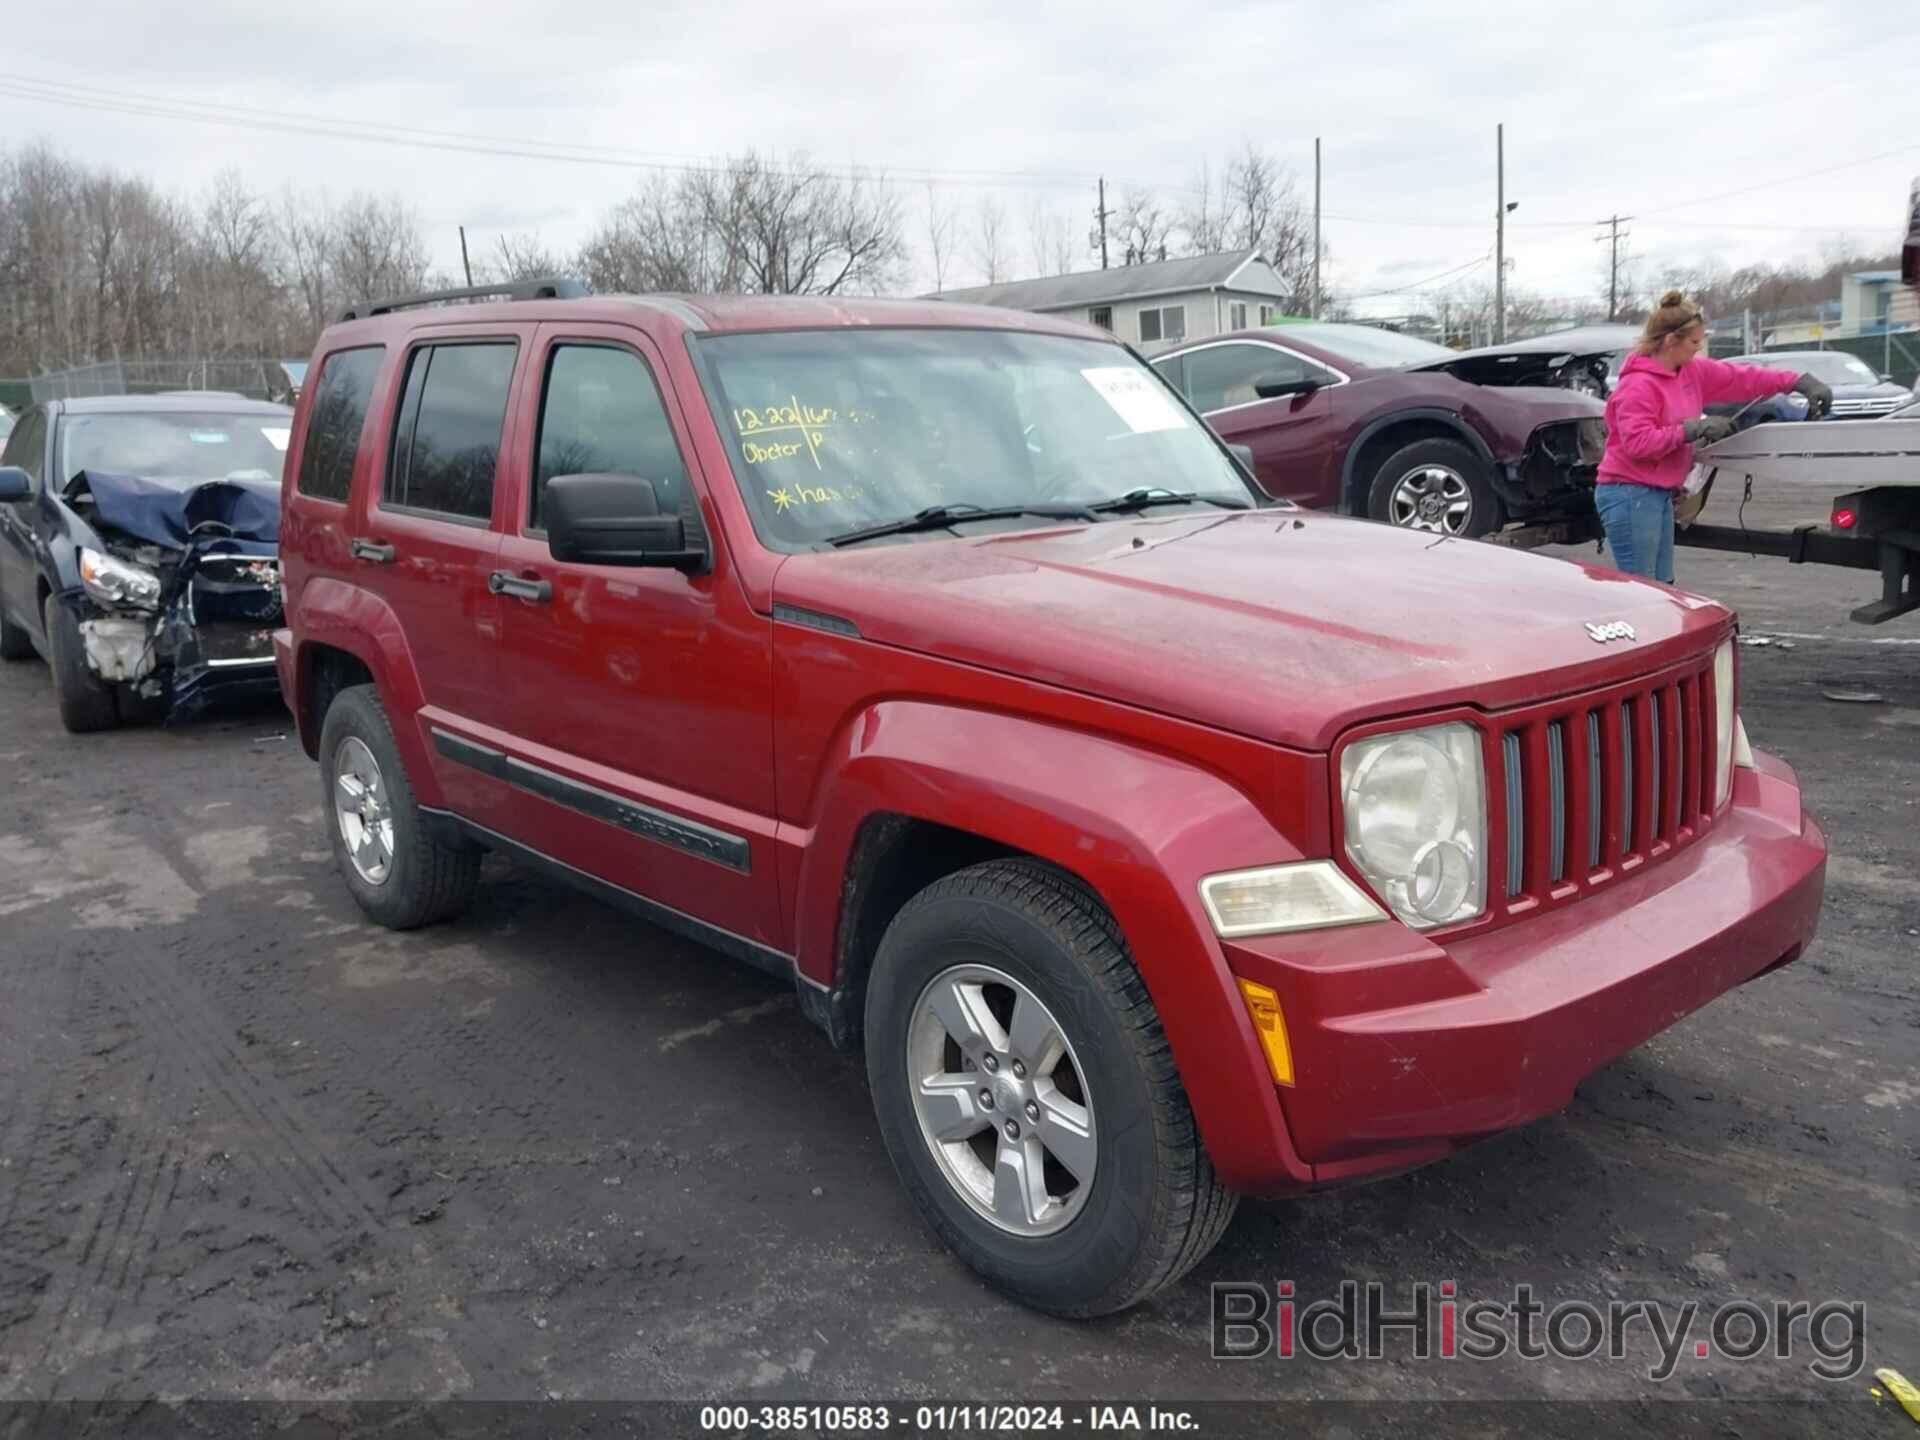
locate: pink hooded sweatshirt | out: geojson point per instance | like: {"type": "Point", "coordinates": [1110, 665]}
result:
{"type": "Point", "coordinates": [1646, 444]}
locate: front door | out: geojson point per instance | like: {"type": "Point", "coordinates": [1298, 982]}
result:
{"type": "Point", "coordinates": [640, 698]}
{"type": "Point", "coordinates": [19, 545]}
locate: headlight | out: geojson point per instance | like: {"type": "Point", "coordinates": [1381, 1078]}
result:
{"type": "Point", "coordinates": [1416, 818]}
{"type": "Point", "coordinates": [114, 582]}
{"type": "Point", "coordinates": [1723, 717]}
{"type": "Point", "coordinates": [1309, 896]}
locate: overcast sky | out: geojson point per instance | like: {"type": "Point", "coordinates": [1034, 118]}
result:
{"type": "Point", "coordinates": [1649, 109]}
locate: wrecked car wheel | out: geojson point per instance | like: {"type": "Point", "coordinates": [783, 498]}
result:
{"type": "Point", "coordinates": [1438, 486]}
{"type": "Point", "coordinates": [1027, 1097]}
{"type": "Point", "coordinates": [400, 874]}
{"type": "Point", "coordinates": [86, 701]}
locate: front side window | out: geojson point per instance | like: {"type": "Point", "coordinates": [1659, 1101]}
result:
{"type": "Point", "coordinates": [1220, 376]}
{"type": "Point", "coordinates": [27, 446]}
{"type": "Point", "coordinates": [1167, 323]}
{"type": "Point", "coordinates": [446, 444]}
{"type": "Point", "coordinates": [832, 430]}
{"type": "Point", "coordinates": [333, 425]}
{"type": "Point", "coordinates": [601, 414]}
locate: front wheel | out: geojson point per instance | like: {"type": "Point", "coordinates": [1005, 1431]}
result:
{"type": "Point", "coordinates": [1027, 1095]}
{"type": "Point", "coordinates": [86, 701]}
{"type": "Point", "coordinates": [1439, 486]}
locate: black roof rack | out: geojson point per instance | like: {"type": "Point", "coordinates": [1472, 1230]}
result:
{"type": "Point", "coordinates": [557, 288]}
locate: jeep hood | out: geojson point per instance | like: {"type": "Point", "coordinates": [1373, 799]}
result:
{"type": "Point", "coordinates": [1284, 625]}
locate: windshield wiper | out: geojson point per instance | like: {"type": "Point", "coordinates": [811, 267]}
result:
{"type": "Point", "coordinates": [1143, 499]}
{"type": "Point", "coordinates": [939, 517]}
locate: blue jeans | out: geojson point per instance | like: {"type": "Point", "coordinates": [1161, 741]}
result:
{"type": "Point", "coordinates": [1639, 524]}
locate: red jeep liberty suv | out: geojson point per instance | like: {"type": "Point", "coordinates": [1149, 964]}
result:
{"type": "Point", "coordinates": [1158, 842]}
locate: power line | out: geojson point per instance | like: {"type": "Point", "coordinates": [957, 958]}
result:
{"type": "Point", "coordinates": [1417, 284]}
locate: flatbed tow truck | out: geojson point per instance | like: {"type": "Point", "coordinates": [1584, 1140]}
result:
{"type": "Point", "coordinates": [1873, 520]}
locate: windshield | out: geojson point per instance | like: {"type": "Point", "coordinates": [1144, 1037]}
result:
{"type": "Point", "coordinates": [1367, 344]}
{"type": "Point", "coordinates": [175, 445]}
{"type": "Point", "coordinates": [835, 430]}
{"type": "Point", "coordinates": [1836, 367]}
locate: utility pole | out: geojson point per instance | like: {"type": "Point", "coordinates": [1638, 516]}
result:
{"type": "Point", "coordinates": [1101, 216]}
{"type": "Point", "coordinates": [465, 264]}
{"type": "Point", "coordinates": [1615, 236]}
{"type": "Point", "coordinates": [1315, 312]}
{"type": "Point", "coordinates": [1500, 236]}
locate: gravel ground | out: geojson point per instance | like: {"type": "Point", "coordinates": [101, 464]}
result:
{"type": "Point", "coordinates": [253, 1147]}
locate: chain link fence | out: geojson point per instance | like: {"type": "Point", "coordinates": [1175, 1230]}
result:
{"type": "Point", "coordinates": [255, 379]}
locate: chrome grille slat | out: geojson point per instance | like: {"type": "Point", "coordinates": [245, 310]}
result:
{"type": "Point", "coordinates": [1557, 798]}
{"type": "Point", "coordinates": [1594, 818]}
{"type": "Point", "coordinates": [1516, 814]}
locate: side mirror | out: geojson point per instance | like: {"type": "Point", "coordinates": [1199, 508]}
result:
{"type": "Point", "coordinates": [1274, 389]}
{"type": "Point", "coordinates": [614, 520]}
{"type": "Point", "coordinates": [15, 483]}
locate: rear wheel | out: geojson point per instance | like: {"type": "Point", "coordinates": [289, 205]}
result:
{"type": "Point", "coordinates": [1027, 1095]}
{"type": "Point", "coordinates": [86, 701]}
{"type": "Point", "coordinates": [398, 871]}
{"type": "Point", "coordinates": [1439, 486]}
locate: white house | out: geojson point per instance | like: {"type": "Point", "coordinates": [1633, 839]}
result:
{"type": "Point", "coordinates": [1156, 305]}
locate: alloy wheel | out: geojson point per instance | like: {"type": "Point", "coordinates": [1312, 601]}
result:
{"type": "Point", "coordinates": [1001, 1100]}
{"type": "Point", "coordinates": [362, 808]}
{"type": "Point", "coordinates": [1433, 498]}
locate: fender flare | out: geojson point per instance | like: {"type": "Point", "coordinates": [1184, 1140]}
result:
{"type": "Point", "coordinates": [348, 618]}
{"type": "Point", "coordinates": [1139, 827]}
{"type": "Point", "coordinates": [1452, 419]}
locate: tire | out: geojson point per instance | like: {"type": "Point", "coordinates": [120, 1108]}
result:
{"type": "Point", "coordinates": [1439, 486]}
{"type": "Point", "coordinates": [1153, 1206]}
{"type": "Point", "coordinates": [138, 709]}
{"type": "Point", "coordinates": [403, 877]}
{"type": "Point", "coordinates": [86, 701]}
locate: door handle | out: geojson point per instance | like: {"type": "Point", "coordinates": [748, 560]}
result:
{"type": "Point", "coordinates": [534, 592]}
{"type": "Point", "coordinates": [370, 550]}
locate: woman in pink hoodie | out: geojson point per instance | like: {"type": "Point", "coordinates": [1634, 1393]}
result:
{"type": "Point", "coordinates": [1655, 418]}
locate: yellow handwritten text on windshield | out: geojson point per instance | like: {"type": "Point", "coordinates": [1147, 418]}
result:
{"type": "Point", "coordinates": [782, 431]}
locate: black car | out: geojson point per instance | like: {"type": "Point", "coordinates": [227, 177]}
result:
{"type": "Point", "coordinates": [1858, 393]}
{"type": "Point", "coordinates": [139, 551]}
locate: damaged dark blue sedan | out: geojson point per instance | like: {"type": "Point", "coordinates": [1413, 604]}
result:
{"type": "Point", "coordinates": [139, 545]}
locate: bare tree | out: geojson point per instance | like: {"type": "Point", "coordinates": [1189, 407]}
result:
{"type": "Point", "coordinates": [1203, 220]}
{"type": "Point", "coordinates": [941, 221]}
{"type": "Point", "coordinates": [1144, 227]}
{"type": "Point", "coordinates": [1049, 238]}
{"type": "Point", "coordinates": [376, 249]}
{"type": "Point", "coordinates": [1262, 211]}
{"type": "Point", "coordinates": [521, 257]}
{"type": "Point", "coordinates": [990, 240]}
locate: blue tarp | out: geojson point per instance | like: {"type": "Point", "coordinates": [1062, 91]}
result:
{"type": "Point", "coordinates": [244, 512]}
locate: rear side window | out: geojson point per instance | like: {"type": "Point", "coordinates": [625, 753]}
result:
{"type": "Point", "coordinates": [601, 414]}
{"type": "Point", "coordinates": [446, 443]}
{"type": "Point", "coordinates": [333, 427]}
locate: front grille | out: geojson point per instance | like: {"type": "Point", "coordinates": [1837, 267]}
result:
{"type": "Point", "coordinates": [1604, 783]}
{"type": "Point", "coordinates": [1876, 406]}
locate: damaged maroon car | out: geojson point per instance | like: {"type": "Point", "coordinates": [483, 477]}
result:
{"type": "Point", "coordinates": [139, 551]}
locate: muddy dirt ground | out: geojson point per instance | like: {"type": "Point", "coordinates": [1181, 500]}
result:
{"type": "Point", "coordinates": [253, 1147]}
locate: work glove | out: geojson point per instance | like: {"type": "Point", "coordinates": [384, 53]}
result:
{"type": "Point", "coordinates": [1709, 429]}
{"type": "Point", "coordinates": [1819, 395]}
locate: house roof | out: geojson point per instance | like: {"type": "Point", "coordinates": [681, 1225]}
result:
{"type": "Point", "coordinates": [1876, 277]}
{"type": "Point", "coordinates": [1123, 282]}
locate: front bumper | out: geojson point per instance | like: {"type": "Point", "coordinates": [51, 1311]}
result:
{"type": "Point", "coordinates": [1405, 1049]}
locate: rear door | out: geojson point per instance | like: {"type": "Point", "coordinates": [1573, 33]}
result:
{"type": "Point", "coordinates": [426, 538]}
{"type": "Point", "coordinates": [19, 551]}
{"type": "Point", "coordinates": [640, 698]}
{"type": "Point", "coordinates": [1291, 437]}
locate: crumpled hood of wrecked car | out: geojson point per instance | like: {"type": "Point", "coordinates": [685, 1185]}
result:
{"type": "Point", "coordinates": [1280, 624]}
{"type": "Point", "coordinates": [176, 514]}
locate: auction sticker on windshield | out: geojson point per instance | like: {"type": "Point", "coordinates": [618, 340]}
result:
{"type": "Point", "coordinates": [1136, 398]}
